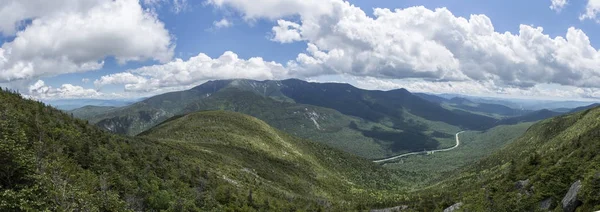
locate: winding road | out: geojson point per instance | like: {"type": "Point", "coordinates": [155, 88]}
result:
{"type": "Point", "coordinates": [421, 152]}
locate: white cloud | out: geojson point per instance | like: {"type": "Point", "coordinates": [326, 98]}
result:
{"type": "Point", "coordinates": [76, 38]}
{"type": "Point", "coordinates": [85, 80]}
{"type": "Point", "coordinates": [416, 42]}
{"type": "Point", "coordinates": [591, 11]}
{"type": "Point", "coordinates": [223, 23]}
{"type": "Point", "coordinates": [119, 78]}
{"type": "Point", "coordinates": [286, 32]}
{"type": "Point", "coordinates": [471, 88]}
{"type": "Point", "coordinates": [40, 90]}
{"type": "Point", "coordinates": [15, 12]}
{"type": "Point", "coordinates": [558, 5]}
{"type": "Point", "coordinates": [182, 74]}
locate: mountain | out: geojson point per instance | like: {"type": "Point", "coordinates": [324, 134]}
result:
{"type": "Point", "coordinates": [217, 161]}
{"type": "Point", "coordinates": [582, 108]}
{"type": "Point", "coordinates": [553, 166]}
{"type": "Point", "coordinates": [143, 115]}
{"type": "Point", "coordinates": [530, 104]}
{"type": "Point", "coordinates": [371, 124]}
{"type": "Point", "coordinates": [529, 117]}
{"type": "Point", "coordinates": [71, 104]}
{"type": "Point", "coordinates": [466, 104]}
{"type": "Point", "coordinates": [377, 105]}
{"type": "Point", "coordinates": [431, 97]}
{"type": "Point", "coordinates": [90, 111]}
{"type": "Point", "coordinates": [485, 108]}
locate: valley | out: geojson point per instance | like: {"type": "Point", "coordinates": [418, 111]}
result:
{"type": "Point", "coordinates": [421, 152]}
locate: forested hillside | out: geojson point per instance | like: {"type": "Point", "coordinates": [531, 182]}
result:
{"type": "Point", "coordinates": [554, 166]}
{"type": "Point", "coordinates": [202, 161]}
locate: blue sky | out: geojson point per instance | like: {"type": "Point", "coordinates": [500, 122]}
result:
{"type": "Point", "coordinates": [184, 29]}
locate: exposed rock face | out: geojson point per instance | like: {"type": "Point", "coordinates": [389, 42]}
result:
{"type": "Point", "coordinates": [546, 204]}
{"type": "Point", "coordinates": [522, 184]}
{"type": "Point", "coordinates": [570, 201]}
{"type": "Point", "coordinates": [523, 187]}
{"type": "Point", "coordinates": [453, 207]}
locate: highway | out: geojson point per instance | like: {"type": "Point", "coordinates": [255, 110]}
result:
{"type": "Point", "coordinates": [421, 152]}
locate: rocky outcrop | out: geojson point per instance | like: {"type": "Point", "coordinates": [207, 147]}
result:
{"type": "Point", "coordinates": [570, 201]}
{"type": "Point", "coordinates": [546, 204]}
{"type": "Point", "coordinates": [523, 186]}
{"type": "Point", "coordinates": [453, 207]}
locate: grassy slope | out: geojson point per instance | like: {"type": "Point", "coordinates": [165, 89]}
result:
{"type": "Point", "coordinates": [552, 154]}
{"type": "Point", "coordinates": [277, 159]}
{"type": "Point", "coordinates": [51, 161]}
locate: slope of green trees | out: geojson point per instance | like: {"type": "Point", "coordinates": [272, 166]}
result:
{"type": "Point", "coordinates": [208, 161]}
{"type": "Point", "coordinates": [538, 167]}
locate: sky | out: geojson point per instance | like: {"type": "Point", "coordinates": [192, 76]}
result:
{"type": "Point", "coordinates": [127, 49]}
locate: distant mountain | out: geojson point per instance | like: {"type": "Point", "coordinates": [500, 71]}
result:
{"type": "Point", "coordinates": [582, 108]}
{"type": "Point", "coordinates": [529, 117]}
{"type": "Point", "coordinates": [431, 98]}
{"type": "Point", "coordinates": [485, 108]}
{"type": "Point", "coordinates": [466, 104]}
{"type": "Point", "coordinates": [552, 167]}
{"type": "Point", "coordinates": [371, 124]}
{"type": "Point", "coordinates": [206, 161]}
{"type": "Point", "coordinates": [71, 104]}
{"type": "Point", "coordinates": [90, 111]}
{"type": "Point", "coordinates": [524, 104]}
{"type": "Point", "coordinates": [377, 105]}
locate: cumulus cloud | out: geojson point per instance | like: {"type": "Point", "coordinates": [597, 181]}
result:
{"type": "Point", "coordinates": [558, 5]}
{"type": "Point", "coordinates": [286, 32]}
{"type": "Point", "coordinates": [39, 90]}
{"type": "Point", "coordinates": [591, 11]}
{"type": "Point", "coordinates": [68, 36]}
{"type": "Point", "coordinates": [119, 78]}
{"type": "Point", "coordinates": [180, 73]}
{"type": "Point", "coordinates": [15, 12]}
{"type": "Point", "coordinates": [417, 42]}
{"type": "Point", "coordinates": [223, 23]}
{"type": "Point", "coordinates": [474, 88]}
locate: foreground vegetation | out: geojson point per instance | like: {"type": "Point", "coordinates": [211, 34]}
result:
{"type": "Point", "coordinates": [207, 161]}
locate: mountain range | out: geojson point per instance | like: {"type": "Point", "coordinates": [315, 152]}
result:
{"type": "Point", "coordinates": [368, 123]}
